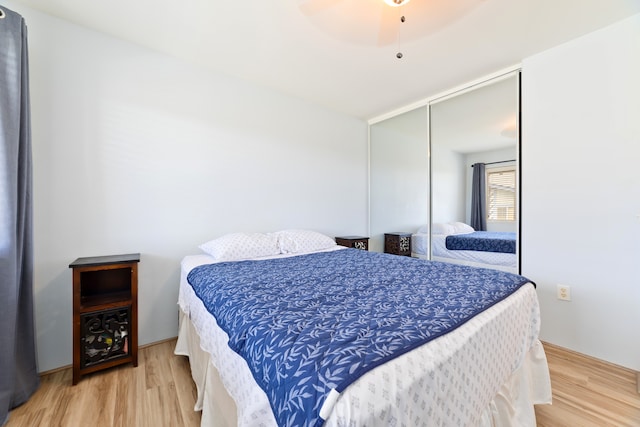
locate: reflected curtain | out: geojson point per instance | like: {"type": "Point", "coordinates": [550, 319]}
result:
{"type": "Point", "coordinates": [479, 198]}
{"type": "Point", "coordinates": [18, 370]}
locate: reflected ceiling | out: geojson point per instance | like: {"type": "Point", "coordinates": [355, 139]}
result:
{"type": "Point", "coordinates": [479, 120]}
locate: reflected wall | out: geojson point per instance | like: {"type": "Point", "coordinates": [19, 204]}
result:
{"type": "Point", "coordinates": [399, 175]}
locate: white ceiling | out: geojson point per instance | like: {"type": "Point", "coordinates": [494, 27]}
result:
{"type": "Point", "coordinates": [342, 53]}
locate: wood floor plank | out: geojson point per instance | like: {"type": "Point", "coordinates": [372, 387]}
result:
{"type": "Point", "coordinates": [187, 394]}
{"type": "Point", "coordinates": [160, 392]}
{"type": "Point", "coordinates": [129, 384]}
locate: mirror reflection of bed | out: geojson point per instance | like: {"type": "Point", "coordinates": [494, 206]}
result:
{"type": "Point", "coordinates": [474, 130]}
{"type": "Point", "coordinates": [459, 243]}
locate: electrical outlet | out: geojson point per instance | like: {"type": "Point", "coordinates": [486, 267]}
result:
{"type": "Point", "coordinates": [564, 292]}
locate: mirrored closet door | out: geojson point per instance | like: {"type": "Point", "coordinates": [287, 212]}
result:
{"type": "Point", "coordinates": [474, 142]}
{"type": "Point", "coordinates": [399, 176]}
{"type": "Point", "coordinates": [422, 165]}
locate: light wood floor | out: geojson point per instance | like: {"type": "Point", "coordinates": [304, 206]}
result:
{"type": "Point", "coordinates": [588, 392]}
{"type": "Point", "coordinates": [159, 392]}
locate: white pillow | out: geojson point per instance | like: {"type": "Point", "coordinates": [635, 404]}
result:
{"type": "Point", "coordinates": [442, 228]}
{"type": "Point", "coordinates": [461, 228]}
{"type": "Point", "coordinates": [299, 241]}
{"type": "Point", "coordinates": [423, 230]}
{"type": "Point", "coordinates": [238, 246]}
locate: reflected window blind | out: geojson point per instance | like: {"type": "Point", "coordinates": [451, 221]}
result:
{"type": "Point", "coordinates": [501, 195]}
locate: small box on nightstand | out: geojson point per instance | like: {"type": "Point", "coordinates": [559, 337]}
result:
{"type": "Point", "coordinates": [357, 242]}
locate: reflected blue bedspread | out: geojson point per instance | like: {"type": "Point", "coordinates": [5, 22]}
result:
{"type": "Point", "coordinates": [484, 241]}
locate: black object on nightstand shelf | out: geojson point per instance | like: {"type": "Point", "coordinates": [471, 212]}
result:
{"type": "Point", "coordinates": [105, 312]}
{"type": "Point", "coordinates": [358, 242]}
{"type": "Point", "coordinates": [397, 243]}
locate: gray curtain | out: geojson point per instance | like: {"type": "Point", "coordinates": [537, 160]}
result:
{"type": "Point", "coordinates": [479, 198]}
{"type": "Point", "coordinates": [18, 370]}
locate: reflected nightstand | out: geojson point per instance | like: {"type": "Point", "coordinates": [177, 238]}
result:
{"type": "Point", "coordinates": [397, 243]}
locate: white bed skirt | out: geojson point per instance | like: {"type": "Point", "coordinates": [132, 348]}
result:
{"type": "Point", "coordinates": [512, 406]}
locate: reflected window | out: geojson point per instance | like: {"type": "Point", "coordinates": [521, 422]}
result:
{"type": "Point", "coordinates": [501, 194]}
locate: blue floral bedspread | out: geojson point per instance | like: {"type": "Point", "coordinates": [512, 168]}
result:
{"type": "Point", "coordinates": [310, 324]}
{"type": "Point", "coordinates": [484, 241]}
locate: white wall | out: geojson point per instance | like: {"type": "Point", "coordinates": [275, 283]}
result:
{"type": "Point", "coordinates": [137, 152]}
{"type": "Point", "coordinates": [581, 190]}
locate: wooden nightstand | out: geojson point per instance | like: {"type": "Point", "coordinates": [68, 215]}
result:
{"type": "Point", "coordinates": [357, 242]}
{"type": "Point", "coordinates": [105, 312]}
{"type": "Point", "coordinates": [397, 243]}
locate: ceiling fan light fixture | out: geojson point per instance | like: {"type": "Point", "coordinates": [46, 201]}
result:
{"type": "Point", "coordinates": [396, 3]}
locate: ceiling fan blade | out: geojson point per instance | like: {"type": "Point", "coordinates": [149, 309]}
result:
{"type": "Point", "coordinates": [390, 24]}
{"type": "Point", "coordinates": [310, 7]}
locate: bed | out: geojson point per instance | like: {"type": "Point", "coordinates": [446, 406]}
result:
{"type": "Point", "coordinates": [502, 259]}
{"type": "Point", "coordinates": [487, 369]}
